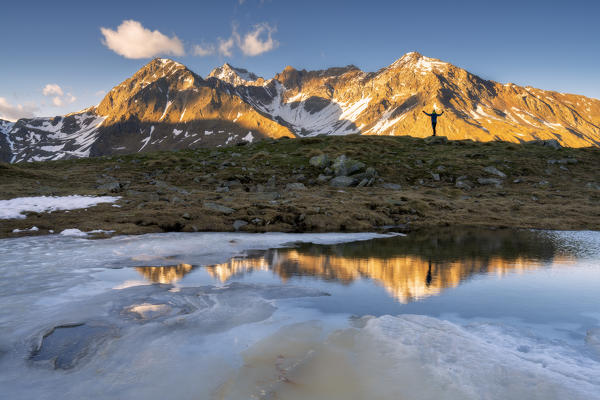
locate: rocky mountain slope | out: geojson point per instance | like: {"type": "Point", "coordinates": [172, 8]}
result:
{"type": "Point", "coordinates": [166, 106]}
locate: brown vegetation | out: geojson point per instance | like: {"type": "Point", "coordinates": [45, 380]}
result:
{"type": "Point", "coordinates": [210, 189]}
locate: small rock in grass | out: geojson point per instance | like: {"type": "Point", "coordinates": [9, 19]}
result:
{"type": "Point", "coordinates": [392, 186]}
{"type": "Point", "coordinates": [295, 186]}
{"type": "Point", "coordinates": [238, 223]}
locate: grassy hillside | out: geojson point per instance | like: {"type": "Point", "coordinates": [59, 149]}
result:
{"type": "Point", "coordinates": [271, 186]}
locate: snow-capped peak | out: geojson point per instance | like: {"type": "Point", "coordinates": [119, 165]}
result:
{"type": "Point", "coordinates": [418, 62]}
{"type": "Point", "coordinates": [232, 75]}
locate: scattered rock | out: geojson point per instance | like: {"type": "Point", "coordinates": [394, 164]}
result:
{"type": "Point", "coordinates": [295, 186]}
{"type": "Point", "coordinates": [268, 196]}
{"type": "Point", "coordinates": [186, 216]}
{"type": "Point", "coordinates": [463, 184]}
{"type": "Point", "coordinates": [112, 187]}
{"type": "Point", "coordinates": [436, 177]}
{"type": "Point", "coordinates": [238, 223]}
{"type": "Point", "coordinates": [161, 185]}
{"type": "Point", "coordinates": [232, 183]}
{"type": "Point", "coordinates": [299, 177]}
{"type": "Point", "coordinates": [593, 185]}
{"type": "Point", "coordinates": [436, 140]}
{"type": "Point", "coordinates": [490, 181]}
{"type": "Point", "coordinates": [272, 182]}
{"type": "Point", "coordinates": [320, 161]}
{"type": "Point", "coordinates": [548, 143]}
{"type": "Point", "coordinates": [323, 178]}
{"type": "Point", "coordinates": [563, 161]}
{"type": "Point", "coordinates": [342, 181]}
{"type": "Point", "coordinates": [209, 205]}
{"type": "Point", "coordinates": [222, 189]}
{"type": "Point", "coordinates": [344, 166]}
{"type": "Point", "coordinates": [391, 186]}
{"type": "Point", "coordinates": [494, 171]}
{"type": "Point", "coordinates": [175, 200]}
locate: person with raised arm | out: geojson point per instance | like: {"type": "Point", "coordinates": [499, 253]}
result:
{"type": "Point", "coordinates": [433, 117]}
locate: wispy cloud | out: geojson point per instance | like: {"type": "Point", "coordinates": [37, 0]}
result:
{"type": "Point", "coordinates": [132, 40]}
{"type": "Point", "coordinates": [203, 50]}
{"type": "Point", "coordinates": [257, 41]}
{"type": "Point", "coordinates": [254, 42]}
{"type": "Point", "coordinates": [60, 98]}
{"type": "Point", "coordinates": [52, 89]}
{"type": "Point", "coordinates": [226, 46]}
{"type": "Point", "coordinates": [14, 112]}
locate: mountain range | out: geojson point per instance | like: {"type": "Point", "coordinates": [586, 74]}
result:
{"type": "Point", "coordinates": [165, 106]}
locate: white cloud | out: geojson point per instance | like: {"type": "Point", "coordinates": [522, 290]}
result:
{"type": "Point", "coordinates": [225, 46]}
{"type": "Point", "coordinates": [132, 40]}
{"type": "Point", "coordinates": [204, 50]}
{"type": "Point", "coordinates": [100, 93]}
{"type": "Point", "coordinates": [52, 89]}
{"type": "Point", "coordinates": [252, 44]}
{"type": "Point", "coordinates": [13, 113]}
{"type": "Point", "coordinates": [59, 98]}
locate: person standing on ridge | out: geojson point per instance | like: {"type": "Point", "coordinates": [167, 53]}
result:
{"type": "Point", "coordinates": [433, 116]}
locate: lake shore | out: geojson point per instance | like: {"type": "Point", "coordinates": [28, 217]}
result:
{"type": "Point", "coordinates": [304, 185]}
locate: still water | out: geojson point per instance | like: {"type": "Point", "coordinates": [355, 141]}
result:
{"type": "Point", "coordinates": [447, 314]}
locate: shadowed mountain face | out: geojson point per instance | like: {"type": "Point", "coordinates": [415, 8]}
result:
{"type": "Point", "coordinates": [166, 106]}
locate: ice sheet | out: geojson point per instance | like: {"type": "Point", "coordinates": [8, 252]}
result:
{"type": "Point", "coordinates": [241, 340]}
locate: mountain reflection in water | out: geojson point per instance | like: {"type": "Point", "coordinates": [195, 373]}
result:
{"type": "Point", "coordinates": [409, 268]}
{"type": "Point", "coordinates": [166, 273]}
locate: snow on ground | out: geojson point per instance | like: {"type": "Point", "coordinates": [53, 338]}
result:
{"type": "Point", "coordinates": [14, 208]}
{"type": "Point", "coordinates": [248, 137]}
{"type": "Point", "coordinates": [32, 229]}
{"type": "Point", "coordinates": [77, 233]}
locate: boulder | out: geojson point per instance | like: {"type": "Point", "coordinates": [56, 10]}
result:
{"type": "Point", "coordinates": [112, 187]}
{"type": "Point", "coordinates": [490, 181]}
{"type": "Point", "coordinates": [238, 223]}
{"type": "Point", "coordinates": [342, 181]}
{"type": "Point", "coordinates": [209, 205]}
{"type": "Point", "coordinates": [344, 166]}
{"type": "Point", "coordinates": [366, 182]}
{"type": "Point", "coordinates": [323, 178]}
{"type": "Point", "coordinates": [494, 171]}
{"type": "Point", "coordinates": [464, 184]}
{"type": "Point", "coordinates": [320, 161]}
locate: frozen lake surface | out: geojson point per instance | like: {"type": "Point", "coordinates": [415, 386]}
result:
{"type": "Point", "coordinates": [449, 314]}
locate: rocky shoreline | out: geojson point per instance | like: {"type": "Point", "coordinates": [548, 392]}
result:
{"type": "Point", "coordinates": [320, 184]}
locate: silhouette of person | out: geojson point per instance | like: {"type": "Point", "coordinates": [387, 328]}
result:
{"type": "Point", "coordinates": [433, 116]}
{"type": "Point", "coordinates": [428, 278]}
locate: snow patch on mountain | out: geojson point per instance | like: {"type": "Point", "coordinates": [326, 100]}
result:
{"type": "Point", "coordinates": [232, 75]}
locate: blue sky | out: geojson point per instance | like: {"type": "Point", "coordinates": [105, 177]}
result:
{"type": "Point", "coordinates": [59, 46]}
